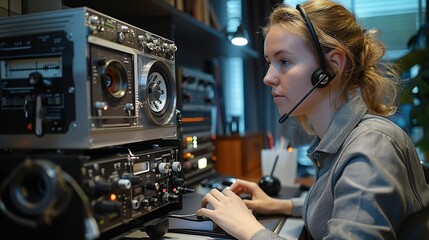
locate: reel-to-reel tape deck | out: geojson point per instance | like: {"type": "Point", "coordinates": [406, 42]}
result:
{"type": "Point", "coordinates": [78, 79]}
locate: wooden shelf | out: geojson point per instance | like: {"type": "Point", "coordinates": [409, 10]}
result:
{"type": "Point", "coordinates": [189, 34]}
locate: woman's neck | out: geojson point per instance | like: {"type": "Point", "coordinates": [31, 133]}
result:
{"type": "Point", "coordinates": [321, 118]}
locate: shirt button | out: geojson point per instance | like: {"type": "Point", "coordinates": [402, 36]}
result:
{"type": "Point", "coordinates": [317, 156]}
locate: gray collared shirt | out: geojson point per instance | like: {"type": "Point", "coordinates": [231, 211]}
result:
{"type": "Point", "coordinates": [368, 179]}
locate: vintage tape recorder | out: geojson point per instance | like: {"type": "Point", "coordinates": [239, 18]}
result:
{"type": "Point", "coordinates": [78, 79]}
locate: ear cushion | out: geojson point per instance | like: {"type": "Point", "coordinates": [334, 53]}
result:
{"type": "Point", "coordinates": [323, 76]}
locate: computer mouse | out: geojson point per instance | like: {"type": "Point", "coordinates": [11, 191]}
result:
{"type": "Point", "coordinates": [228, 181]}
{"type": "Point", "coordinates": [219, 186]}
{"type": "Point", "coordinates": [203, 218]}
{"type": "Point", "coordinates": [270, 185]}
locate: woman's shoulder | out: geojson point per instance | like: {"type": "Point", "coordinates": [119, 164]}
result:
{"type": "Point", "coordinates": [377, 136]}
{"type": "Point", "coordinates": [380, 126]}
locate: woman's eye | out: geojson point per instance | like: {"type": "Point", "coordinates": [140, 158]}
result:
{"type": "Point", "coordinates": [284, 62]}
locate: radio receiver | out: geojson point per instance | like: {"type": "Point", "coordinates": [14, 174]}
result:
{"type": "Point", "coordinates": [78, 79]}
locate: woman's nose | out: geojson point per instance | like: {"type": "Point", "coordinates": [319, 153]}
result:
{"type": "Point", "coordinates": [270, 77]}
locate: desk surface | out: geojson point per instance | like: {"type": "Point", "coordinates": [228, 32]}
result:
{"type": "Point", "coordinates": [289, 228]}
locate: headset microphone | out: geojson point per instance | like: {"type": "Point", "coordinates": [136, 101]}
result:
{"type": "Point", "coordinates": [321, 77]}
{"type": "Point", "coordinates": [287, 115]}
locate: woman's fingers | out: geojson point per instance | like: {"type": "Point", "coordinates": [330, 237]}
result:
{"type": "Point", "coordinates": [213, 197]}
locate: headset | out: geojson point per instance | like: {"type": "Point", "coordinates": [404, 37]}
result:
{"type": "Point", "coordinates": [321, 77]}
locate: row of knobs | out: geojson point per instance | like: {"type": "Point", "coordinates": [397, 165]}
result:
{"type": "Point", "coordinates": [105, 206]}
{"type": "Point", "coordinates": [146, 40]}
{"type": "Point", "coordinates": [99, 186]}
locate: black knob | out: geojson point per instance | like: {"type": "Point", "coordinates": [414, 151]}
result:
{"type": "Point", "coordinates": [105, 207]}
{"type": "Point", "coordinates": [135, 180]}
{"type": "Point", "coordinates": [152, 185]}
{"type": "Point", "coordinates": [178, 182]}
{"type": "Point", "coordinates": [153, 201]}
{"type": "Point", "coordinates": [173, 198]}
{"type": "Point", "coordinates": [102, 186]}
{"type": "Point", "coordinates": [185, 190]}
{"type": "Point", "coordinates": [35, 78]}
{"type": "Point", "coordinates": [179, 118]}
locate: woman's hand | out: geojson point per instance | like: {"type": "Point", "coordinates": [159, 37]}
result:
{"type": "Point", "coordinates": [260, 202]}
{"type": "Point", "coordinates": [230, 213]}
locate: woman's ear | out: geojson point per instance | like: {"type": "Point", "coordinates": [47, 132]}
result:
{"type": "Point", "coordinates": [337, 60]}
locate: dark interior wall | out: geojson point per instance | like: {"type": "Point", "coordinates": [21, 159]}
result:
{"type": "Point", "coordinates": [31, 6]}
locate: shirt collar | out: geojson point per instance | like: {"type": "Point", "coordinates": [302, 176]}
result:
{"type": "Point", "coordinates": [343, 123]}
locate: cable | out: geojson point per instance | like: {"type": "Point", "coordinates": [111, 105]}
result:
{"type": "Point", "coordinates": [5, 210]}
{"type": "Point", "coordinates": [92, 231]}
{"type": "Point", "coordinates": [182, 215]}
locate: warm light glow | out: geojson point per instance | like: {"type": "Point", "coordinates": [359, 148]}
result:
{"type": "Point", "coordinates": [113, 197]}
{"type": "Point", "coordinates": [290, 149]}
{"type": "Point", "coordinates": [202, 163]}
{"type": "Point", "coordinates": [192, 119]}
{"type": "Point", "coordinates": [188, 155]}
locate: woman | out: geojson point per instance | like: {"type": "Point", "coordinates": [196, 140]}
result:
{"type": "Point", "coordinates": [369, 178]}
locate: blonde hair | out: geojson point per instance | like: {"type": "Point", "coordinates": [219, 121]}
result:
{"type": "Point", "coordinates": [337, 28]}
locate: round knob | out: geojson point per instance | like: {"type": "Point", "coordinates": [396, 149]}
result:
{"type": "Point", "coordinates": [104, 207]}
{"type": "Point", "coordinates": [153, 201]}
{"type": "Point", "coordinates": [152, 186]}
{"type": "Point", "coordinates": [93, 19]}
{"type": "Point", "coordinates": [124, 29]}
{"type": "Point", "coordinates": [124, 184]}
{"type": "Point", "coordinates": [121, 37]}
{"type": "Point", "coordinates": [173, 47]}
{"type": "Point", "coordinates": [129, 106]}
{"type": "Point", "coordinates": [151, 46]}
{"type": "Point", "coordinates": [101, 105]}
{"type": "Point", "coordinates": [164, 167]}
{"type": "Point", "coordinates": [178, 181]}
{"type": "Point", "coordinates": [135, 180]}
{"type": "Point", "coordinates": [135, 204]}
{"type": "Point", "coordinates": [102, 186]}
{"type": "Point", "coordinates": [144, 202]}
{"type": "Point", "coordinates": [176, 166]}
{"type": "Point", "coordinates": [170, 198]}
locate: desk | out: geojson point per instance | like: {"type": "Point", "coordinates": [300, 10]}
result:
{"type": "Point", "coordinates": [289, 228]}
